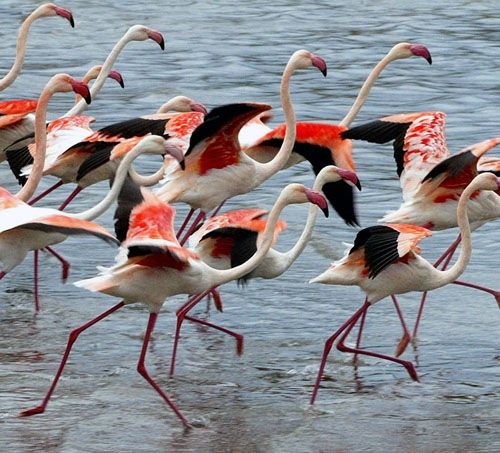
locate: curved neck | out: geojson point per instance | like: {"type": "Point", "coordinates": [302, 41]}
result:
{"type": "Point", "coordinates": [40, 147]}
{"type": "Point", "coordinates": [81, 105]}
{"type": "Point", "coordinates": [120, 176]}
{"type": "Point", "coordinates": [265, 171]}
{"type": "Point", "coordinates": [147, 181]}
{"type": "Point", "coordinates": [365, 90]}
{"type": "Point", "coordinates": [224, 276]}
{"type": "Point", "coordinates": [20, 52]}
{"type": "Point", "coordinates": [456, 270]}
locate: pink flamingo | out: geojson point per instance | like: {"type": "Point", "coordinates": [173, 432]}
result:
{"type": "Point", "coordinates": [157, 267]}
{"type": "Point", "coordinates": [216, 167]}
{"type": "Point", "coordinates": [431, 179]}
{"type": "Point", "coordinates": [45, 10]}
{"type": "Point", "coordinates": [322, 143]}
{"type": "Point", "coordinates": [230, 239]}
{"type": "Point", "coordinates": [25, 228]}
{"type": "Point", "coordinates": [385, 260]}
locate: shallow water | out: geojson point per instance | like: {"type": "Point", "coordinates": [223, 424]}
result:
{"type": "Point", "coordinates": [219, 52]}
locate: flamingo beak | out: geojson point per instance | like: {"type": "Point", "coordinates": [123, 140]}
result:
{"type": "Point", "coordinates": [420, 50]}
{"type": "Point", "coordinates": [349, 177]}
{"type": "Point", "coordinates": [82, 89]}
{"type": "Point", "coordinates": [66, 13]}
{"type": "Point", "coordinates": [157, 37]}
{"type": "Point", "coordinates": [173, 148]}
{"type": "Point", "coordinates": [318, 199]}
{"type": "Point", "coordinates": [199, 107]}
{"type": "Point", "coordinates": [115, 75]}
{"type": "Point", "coordinates": [319, 63]}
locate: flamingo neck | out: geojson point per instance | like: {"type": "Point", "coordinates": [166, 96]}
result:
{"type": "Point", "coordinates": [121, 174]}
{"type": "Point", "coordinates": [81, 105]}
{"type": "Point", "coordinates": [147, 181]}
{"type": "Point", "coordinates": [450, 275]}
{"type": "Point", "coordinates": [265, 171]}
{"type": "Point", "coordinates": [20, 52]}
{"type": "Point", "coordinates": [40, 146]}
{"type": "Point", "coordinates": [224, 276]}
{"type": "Point", "coordinates": [364, 91]}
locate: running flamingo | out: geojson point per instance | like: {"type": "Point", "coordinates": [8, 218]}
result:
{"type": "Point", "coordinates": [25, 228]}
{"type": "Point", "coordinates": [432, 179]}
{"type": "Point", "coordinates": [385, 260]}
{"type": "Point", "coordinates": [229, 239]}
{"type": "Point", "coordinates": [322, 144]}
{"type": "Point", "coordinates": [45, 10]}
{"type": "Point", "coordinates": [216, 167]}
{"type": "Point", "coordinates": [157, 267]}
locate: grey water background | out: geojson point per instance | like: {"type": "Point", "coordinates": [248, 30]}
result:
{"type": "Point", "coordinates": [219, 52]}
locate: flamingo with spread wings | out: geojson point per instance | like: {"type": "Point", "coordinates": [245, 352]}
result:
{"type": "Point", "coordinates": [432, 179]}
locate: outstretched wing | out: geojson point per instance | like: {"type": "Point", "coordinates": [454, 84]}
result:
{"type": "Point", "coordinates": [384, 245]}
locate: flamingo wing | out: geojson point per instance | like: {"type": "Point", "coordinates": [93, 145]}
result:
{"type": "Point", "coordinates": [491, 164]}
{"type": "Point", "coordinates": [18, 106]}
{"type": "Point", "coordinates": [214, 143]}
{"type": "Point", "coordinates": [384, 245]}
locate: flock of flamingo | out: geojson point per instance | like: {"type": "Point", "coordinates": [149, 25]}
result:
{"type": "Point", "coordinates": [211, 156]}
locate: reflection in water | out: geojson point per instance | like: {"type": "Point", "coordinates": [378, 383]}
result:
{"type": "Point", "coordinates": [259, 402]}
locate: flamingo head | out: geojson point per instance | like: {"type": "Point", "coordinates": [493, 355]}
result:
{"type": "Point", "coordinates": [486, 181]}
{"type": "Point", "coordinates": [298, 194]}
{"type": "Point", "coordinates": [182, 104]}
{"type": "Point", "coordinates": [51, 9]}
{"type": "Point", "coordinates": [142, 33]}
{"type": "Point", "coordinates": [64, 83]}
{"type": "Point", "coordinates": [407, 50]}
{"type": "Point", "coordinates": [115, 75]}
{"type": "Point", "coordinates": [303, 59]}
{"type": "Point", "coordinates": [156, 144]}
{"type": "Point", "coordinates": [331, 173]}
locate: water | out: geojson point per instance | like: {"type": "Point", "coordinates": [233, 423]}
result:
{"type": "Point", "coordinates": [219, 52]}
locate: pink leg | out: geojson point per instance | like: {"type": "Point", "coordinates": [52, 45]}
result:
{"type": "Point", "coordinates": [186, 221]}
{"type": "Point", "coordinates": [405, 339]}
{"type": "Point", "coordinates": [342, 347]}
{"type": "Point", "coordinates": [2, 275]}
{"type": "Point", "coordinates": [449, 252]}
{"type": "Point", "coordinates": [328, 346]}
{"type": "Point", "coordinates": [72, 338]}
{"type": "Point", "coordinates": [45, 193]}
{"type": "Point", "coordinates": [65, 264]}
{"type": "Point", "coordinates": [70, 198]}
{"type": "Point", "coordinates": [360, 334]}
{"type": "Point", "coordinates": [214, 293]}
{"type": "Point", "coordinates": [237, 336]}
{"type": "Point", "coordinates": [217, 209]}
{"type": "Point", "coordinates": [35, 276]}
{"type": "Point", "coordinates": [496, 294]}
{"type": "Point", "coordinates": [141, 369]}
{"type": "Point", "coordinates": [200, 218]}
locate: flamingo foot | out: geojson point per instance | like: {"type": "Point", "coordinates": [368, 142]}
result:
{"type": "Point", "coordinates": [33, 411]}
{"type": "Point", "coordinates": [403, 344]}
{"type": "Point", "coordinates": [65, 265]}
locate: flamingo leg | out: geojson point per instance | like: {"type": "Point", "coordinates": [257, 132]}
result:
{"type": "Point", "coordinates": [35, 277]}
{"type": "Point", "coordinates": [343, 348]}
{"type": "Point", "coordinates": [64, 263]}
{"type": "Point", "coordinates": [360, 334]}
{"type": "Point", "coordinates": [46, 192]}
{"type": "Point", "coordinates": [184, 224]}
{"type": "Point", "coordinates": [2, 275]}
{"type": "Point", "coordinates": [74, 334]}
{"type": "Point", "coordinates": [237, 336]}
{"type": "Point", "coordinates": [217, 209]}
{"type": "Point", "coordinates": [141, 369]}
{"type": "Point", "coordinates": [328, 346]}
{"type": "Point", "coordinates": [405, 339]}
{"type": "Point", "coordinates": [71, 197]}
{"type": "Point", "coordinates": [217, 299]}
{"type": "Point", "coordinates": [200, 218]}
{"type": "Point", "coordinates": [449, 252]}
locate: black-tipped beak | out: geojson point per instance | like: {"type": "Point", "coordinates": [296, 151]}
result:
{"type": "Point", "coordinates": [88, 98]}
{"type": "Point", "coordinates": [325, 211]}
{"type": "Point", "coordinates": [358, 185]}
{"type": "Point", "coordinates": [182, 163]}
{"type": "Point", "coordinates": [157, 37]}
{"type": "Point", "coordinates": [71, 21]}
{"type": "Point", "coordinates": [66, 13]}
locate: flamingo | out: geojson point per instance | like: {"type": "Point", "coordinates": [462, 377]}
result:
{"type": "Point", "coordinates": [45, 10]}
{"type": "Point", "coordinates": [216, 167]}
{"type": "Point", "coordinates": [322, 143]}
{"type": "Point", "coordinates": [24, 227]}
{"type": "Point", "coordinates": [432, 179]}
{"type": "Point", "coordinates": [64, 131]}
{"type": "Point", "coordinates": [229, 239]}
{"type": "Point", "coordinates": [385, 260]}
{"type": "Point", "coordinates": [157, 267]}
